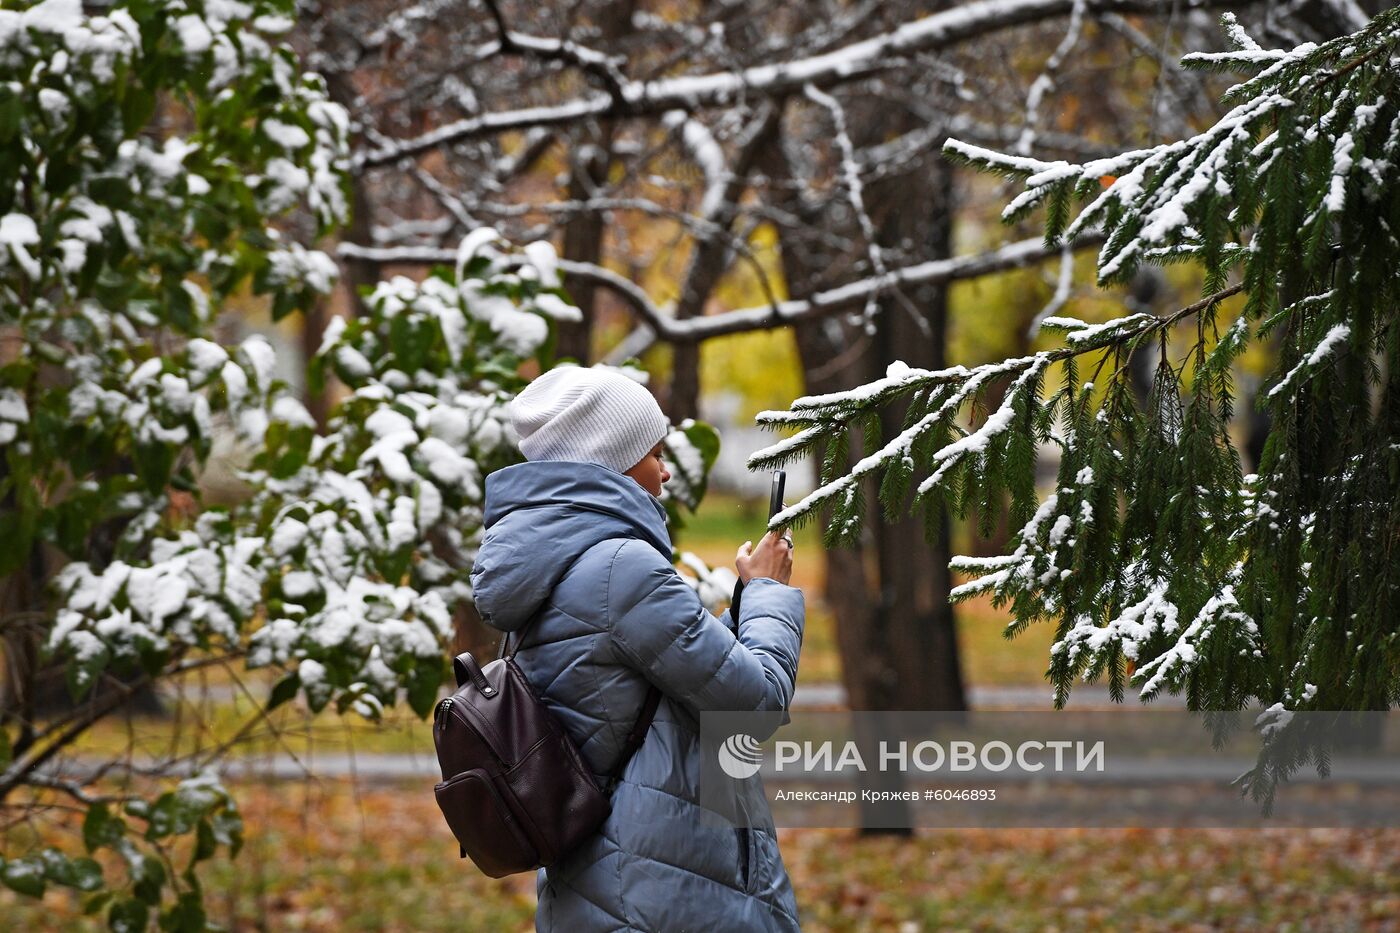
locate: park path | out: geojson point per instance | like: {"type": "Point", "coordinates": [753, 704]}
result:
{"type": "Point", "coordinates": [833, 695]}
{"type": "Point", "coordinates": [379, 767]}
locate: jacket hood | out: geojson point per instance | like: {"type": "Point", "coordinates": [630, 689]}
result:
{"type": "Point", "coordinates": [540, 517]}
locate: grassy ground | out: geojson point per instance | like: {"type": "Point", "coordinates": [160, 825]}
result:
{"type": "Point", "coordinates": [329, 856]}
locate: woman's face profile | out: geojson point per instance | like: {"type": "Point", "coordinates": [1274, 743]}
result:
{"type": "Point", "coordinates": [650, 473]}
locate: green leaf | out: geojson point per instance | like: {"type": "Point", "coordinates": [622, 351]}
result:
{"type": "Point", "coordinates": [83, 873]}
{"type": "Point", "coordinates": [129, 915]}
{"type": "Point", "coordinates": [111, 190]}
{"type": "Point", "coordinates": [227, 825]}
{"type": "Point", "coordinates": [284, 302]}
{"type": "Point", "coordinates": [696, 476]}
{"type": "Point", "coordinates": [87, 874]}
{"type": "Point", "coordinates": [347, 699]}
{"type": "Point", "coordinates": [316, 373]}
{"type": "Point", "coordinates": [179, 307]}
{"type": "Point", "coordinates": [205, 844]}
{"type": "Point", "coordinates": [102, 828]}
{"type": "Point", "coordinates": [402, 343]}
{"type": "Point", "coordinates": [11, 113]}
{"type": "Point", "coordinates": [60, 173]}
{"type": "Point", "coordinates": [317, 698]}
{"type": "Point", "coordinates": [186, 915]}
{"type": "Point", "coordinates": [168, 817]}
{"type": "Point", "coordinates": [423, 686]}
{"type": "Point", "coordinates": [283, 690]}
{"type": "Point", "coordinates": [57, 868]}
{"type": "Point", "coordinates": [154, 464]}
{"type": "Point", "coordinates": [138, 104]}
{"type": "Point", "coordinates": [97, 901]}
{"type": "Point", "coordinates": [81, 672]}
{"type": "Point", "coordinates": [706, 440]}
{"type": "Point", "coordinates": [71, 522]}
{"type": "Point", "coordinates": [17, 531]}
{"type": "Point", "coordinates": [147, 872]}
{"type": "Point", "coordinates": [295, 449]}
{"type": "Point", "coordinates": [25, 875]}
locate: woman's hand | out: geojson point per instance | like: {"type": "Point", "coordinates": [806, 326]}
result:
{"type": "Point", "coordinates": [772, 558]}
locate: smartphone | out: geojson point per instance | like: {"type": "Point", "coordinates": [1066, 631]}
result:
{"type": "Point", "coordinates": [775, 505]}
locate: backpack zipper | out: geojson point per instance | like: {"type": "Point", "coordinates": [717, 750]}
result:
{"type": "Point", "coordinates": [442, 709]}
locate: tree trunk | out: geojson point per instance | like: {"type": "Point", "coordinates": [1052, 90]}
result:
{"type": "Point", "coordinates": [895, 626]}
{"type": "Point", "coordinates": [590, 162]}
{"type": "Point", "coordinates": [583, 242]}
{"type": "Point", "coordinates": [913, 606]}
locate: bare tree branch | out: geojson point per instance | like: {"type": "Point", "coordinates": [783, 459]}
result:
{"type": "Point", "coordinates": [850, 177]}
{"type": "Point", "coordinates": [691, 92]}
{"type": "Point", "coordinates": [20, 770]}
{"type": "Point", "coordinates": [720, 206]}
{"type": "Point", "coordinates": [764, 317]}
{"type": "Point", "coordinates": [1045, 83]}
{"type": "Point", "coordinates": [605, 68]}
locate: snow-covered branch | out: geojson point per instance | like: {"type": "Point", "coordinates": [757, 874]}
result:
{"type": "Point", "coordinates": [940, 395]}
{"type": "Point", "coordinates": [1158, 560]}
{"type": "Point", "coordinates": [781, 314]}
{"type": "Point", "coordinates": [850, 178]}
{"type": "Point", "coordinates": [690, 92]}
{"type": "Point", "coordinates": [605, 68]}
{"type": "Point", "coordinates": [1045, 82]}
{"type": "Point", "coordinates": [700, 143]}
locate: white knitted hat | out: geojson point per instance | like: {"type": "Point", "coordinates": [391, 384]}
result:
{"type": "Point", "coordinates": [589, 415]}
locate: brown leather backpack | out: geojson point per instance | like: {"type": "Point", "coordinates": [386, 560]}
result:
{"type": "Point", "coordinates": [515, 790]}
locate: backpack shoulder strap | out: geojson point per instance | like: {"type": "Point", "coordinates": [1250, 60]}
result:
{"type": "Point", "coordinates": [637, 736]}
{"type": "Point", "coordinates": [653, 698]}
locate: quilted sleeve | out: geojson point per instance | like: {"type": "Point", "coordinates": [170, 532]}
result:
{"type": "Point", "coordinates": [659, 625]}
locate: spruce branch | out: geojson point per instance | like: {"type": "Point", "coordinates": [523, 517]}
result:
{"type": "Point", "coordinates": [1161, 564]}
{"type": "Point", "coordinates": [953, 389]}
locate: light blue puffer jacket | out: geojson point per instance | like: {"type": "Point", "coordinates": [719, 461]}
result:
{"type": "Point", "coordinates": [587, 550]}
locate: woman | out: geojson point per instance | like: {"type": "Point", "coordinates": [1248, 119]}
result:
{"type": "Point", "coordinates": [576, 568]}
